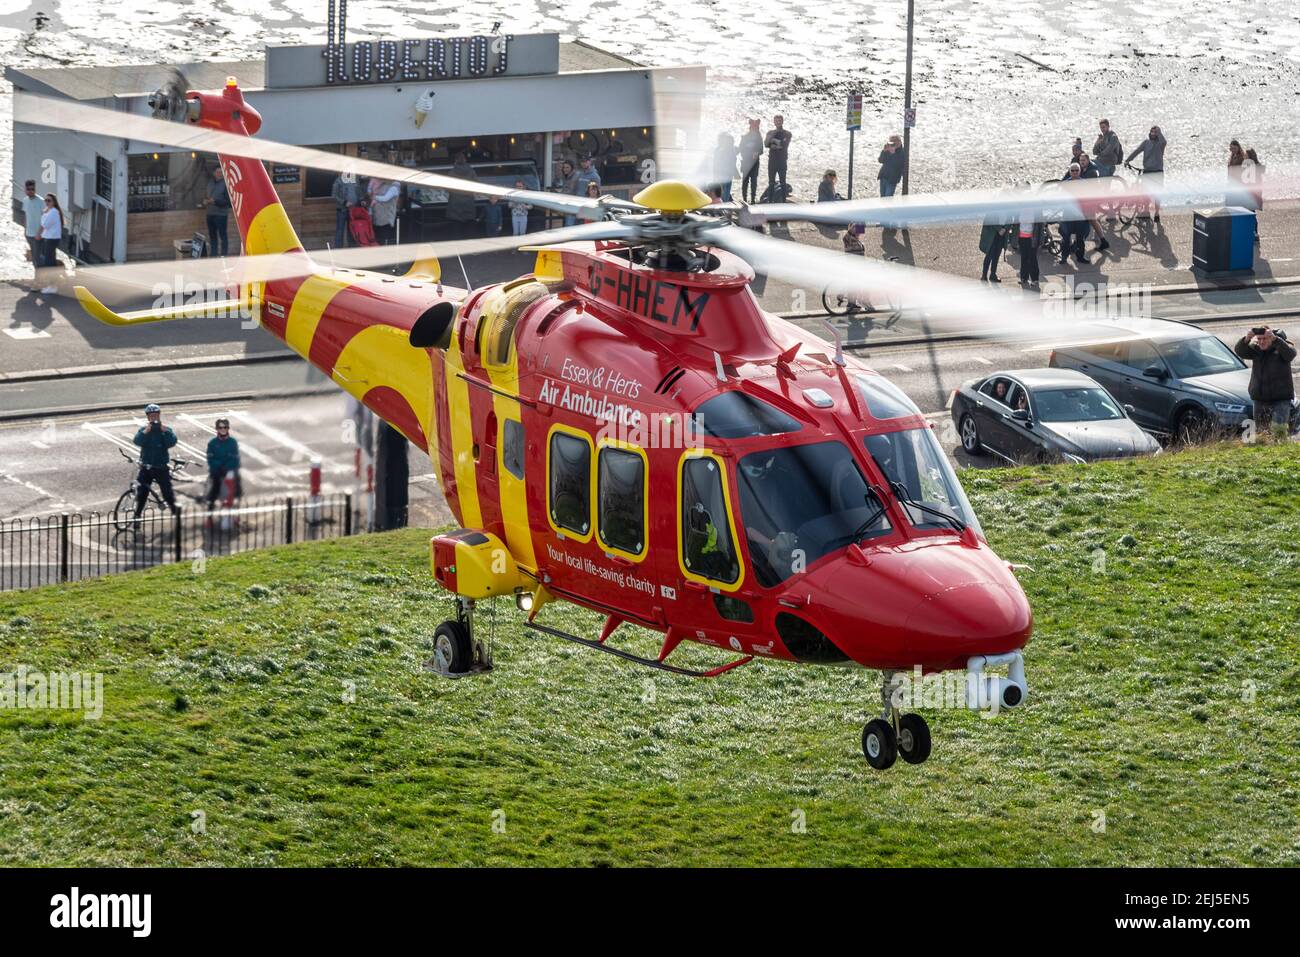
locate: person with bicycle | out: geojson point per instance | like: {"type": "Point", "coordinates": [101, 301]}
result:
{"type": "Point", "coordinates": [223, 460]}
{"type": "Point", "coordinates": [1152, 151]}
{"type": "Point", "coordinates": [154, 440]}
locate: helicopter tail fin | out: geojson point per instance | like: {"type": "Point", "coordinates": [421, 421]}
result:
{"type": "Point", "coordinates": [263, 222]}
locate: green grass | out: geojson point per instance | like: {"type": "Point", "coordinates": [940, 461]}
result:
{"type": "Point", "coordinates": [224, 694]}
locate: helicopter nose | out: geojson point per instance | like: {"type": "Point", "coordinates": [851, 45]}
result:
{"type": "Point", "coordinates": [980, 617]}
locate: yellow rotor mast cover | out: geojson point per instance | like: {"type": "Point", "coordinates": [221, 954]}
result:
{"type": "Point", "coordinates": [672, 197]}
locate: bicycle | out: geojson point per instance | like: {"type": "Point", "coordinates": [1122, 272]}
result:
{"type": "Point", "coordinates": [1132, 208]}
{"type": "Point", "coordinates": [124, 517]}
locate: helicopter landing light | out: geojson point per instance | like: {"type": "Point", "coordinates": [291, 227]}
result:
{"type": "Point", "coordinates": [818, 398]}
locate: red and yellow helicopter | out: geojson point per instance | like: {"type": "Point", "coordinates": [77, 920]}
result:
{"type": "Point", "coordinates": [627, 430]}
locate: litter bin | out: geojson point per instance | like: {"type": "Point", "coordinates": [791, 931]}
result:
{"type": "Point", "coordinates": [1223, 241]}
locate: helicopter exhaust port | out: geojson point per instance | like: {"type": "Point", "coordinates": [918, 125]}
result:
{"type": "Point", "coordinates": [990, 692]}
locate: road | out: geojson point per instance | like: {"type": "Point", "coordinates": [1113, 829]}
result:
{"type": "Point", "coordinates": [73, 463]}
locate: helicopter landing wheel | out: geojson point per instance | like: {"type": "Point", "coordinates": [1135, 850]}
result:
{"type": "Point", "coordinates": [453, 653]}
{"type": "Point", "coordinates": [913, 738]}
{"type": "Point", "coordinates": [879, 744]}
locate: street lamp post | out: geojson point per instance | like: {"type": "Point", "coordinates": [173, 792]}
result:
{"type": "Point", "coordinates": [907, 99]}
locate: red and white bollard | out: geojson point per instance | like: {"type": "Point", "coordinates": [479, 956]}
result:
{"type": "Point", "coordinates": [314, 500]}
{"type": "Point", "coordinates": [227, 501]}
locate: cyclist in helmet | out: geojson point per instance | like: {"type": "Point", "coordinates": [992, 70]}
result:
{"type": "Point", "coordinates": [154, 440]}
{"type": "Point", "coordinates": [223, 460]}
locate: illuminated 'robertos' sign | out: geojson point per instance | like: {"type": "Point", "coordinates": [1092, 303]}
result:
{"type": "Point", "coordinates": [424, 58]}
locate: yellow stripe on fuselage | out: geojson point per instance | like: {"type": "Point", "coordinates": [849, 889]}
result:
{"type": "Point", "coordinates": [311, 300]}
{"type": "Point", "coordinates": [462, 438]}
{"type": "Point", "coordinates": [514, 497]}
{"type": "Point", "coordinates": [270, 232]}
{"type": "Point", "coordinates": [382, 355]}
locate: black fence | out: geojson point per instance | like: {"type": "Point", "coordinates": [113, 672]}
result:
{"type": "Point", "coordinates": [70, 547]}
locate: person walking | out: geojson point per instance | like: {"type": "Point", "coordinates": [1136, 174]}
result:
{"type": "Point", "coordinates": [154, 440]}
{"type": "Point", "coordinates": [519, 213]}
{"type": "Point", "coordinates": [751, 152]}
{"type": "Point", "coordinates": [893, 160]}
{"type": "Point", "coordinates": [33, 207]}
{"type": "Point", "coordinates": [50, 236]}
{"type": "Point", "coordinates": [724, 165]}
{"type": "Point", "coordinates": [218, 204]}
{"type": "Point", "coordinates": [1152, 151]}
{"type": "Point", "coordinates": [777, 143]}
{"type": "Point", "coordinates": [347, 193]}
{"type": "Point", "coordinates": [383, 195]}
{"type": "Point", "coordinates": [1107, 149]}
{"type": "Point", "coordinates": [993, 239]}
{"type": "Point", "coordinates": [223, 460]}
{"type": "Point", "coordinates": [1270, 354]}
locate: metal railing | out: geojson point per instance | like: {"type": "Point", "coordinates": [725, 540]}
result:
{"type": "Point", "coordinates": [69, 547]}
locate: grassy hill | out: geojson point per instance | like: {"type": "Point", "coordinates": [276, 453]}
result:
{"type": "Point", "coordinates": [226, 694]}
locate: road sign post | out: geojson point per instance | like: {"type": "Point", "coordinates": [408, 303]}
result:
{"type": "Point", "coordinates": [853, 122]}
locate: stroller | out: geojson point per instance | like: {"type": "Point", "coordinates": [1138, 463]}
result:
{"type": "Point", "coordinates": [360, 227]}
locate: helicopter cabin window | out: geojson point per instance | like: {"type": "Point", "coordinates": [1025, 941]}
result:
{"type": "Point", "coordinates": [512, 447]}
{"type": "Point", "coordinates": [737, 415]}
{"type": "Point", "coordinates": [918, 472]}
{"type": "Point", "coordinates": [621, 500]}
{"type": "Point", "coordinates": [569, 487]}
{"type": "Point", "coordinates": [884, 399]}
{"type": "Point", "coordinates": [708, 551]}
{"type": "Point", "coordinates": [801, 502]}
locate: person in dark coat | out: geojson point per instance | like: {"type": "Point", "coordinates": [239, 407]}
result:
{"type": "Point", "coordinates": [993, 239]}
{"type": "Point", "coordinates": [1272, 390]}
{"type": "Point", "coordinates": [154, 440]}
{"type": "Point", "coordinates": [778, 153]}
{"type": "Point", "coordinates": [893, 160]}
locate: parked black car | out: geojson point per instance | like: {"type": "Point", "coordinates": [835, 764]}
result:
{"type": "Point", "coordinates": [1044, 415]}
{"type": "Point", "coordinates": [1179, 380]}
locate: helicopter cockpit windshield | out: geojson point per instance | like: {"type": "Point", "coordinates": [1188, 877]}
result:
{"type": "Point", "coordinates": [921, 478]}
{"type": "Point", "coordinates": [801, 502]}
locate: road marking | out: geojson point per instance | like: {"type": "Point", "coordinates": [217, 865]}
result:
{"type": "Point", "coordinates": [39, 444]}
{"type": "Point", "coordinates": [901, 368]}
{"type": "Point", "coordinates": [982, 361]}
{"type": "Point", "coordinates": [244, 447]}
{"type": "Point", "coordinates": [275, 435]}
{"type": "Point", "coordinates": [60, 505]}
{"type": "Point", "coordinates": [26, 332]}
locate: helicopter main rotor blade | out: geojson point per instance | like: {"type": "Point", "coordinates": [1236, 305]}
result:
{"type": "Point", "coordinates": [931, 302]}
{"type": "Point", "coordinates": [70, 115]}
{"type": "Point", "coordinates": [128, 278]}
{"type": "Point", "coordinates": [680, 152]}
{"type": "Point", "coordinates": [1048, 203]}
